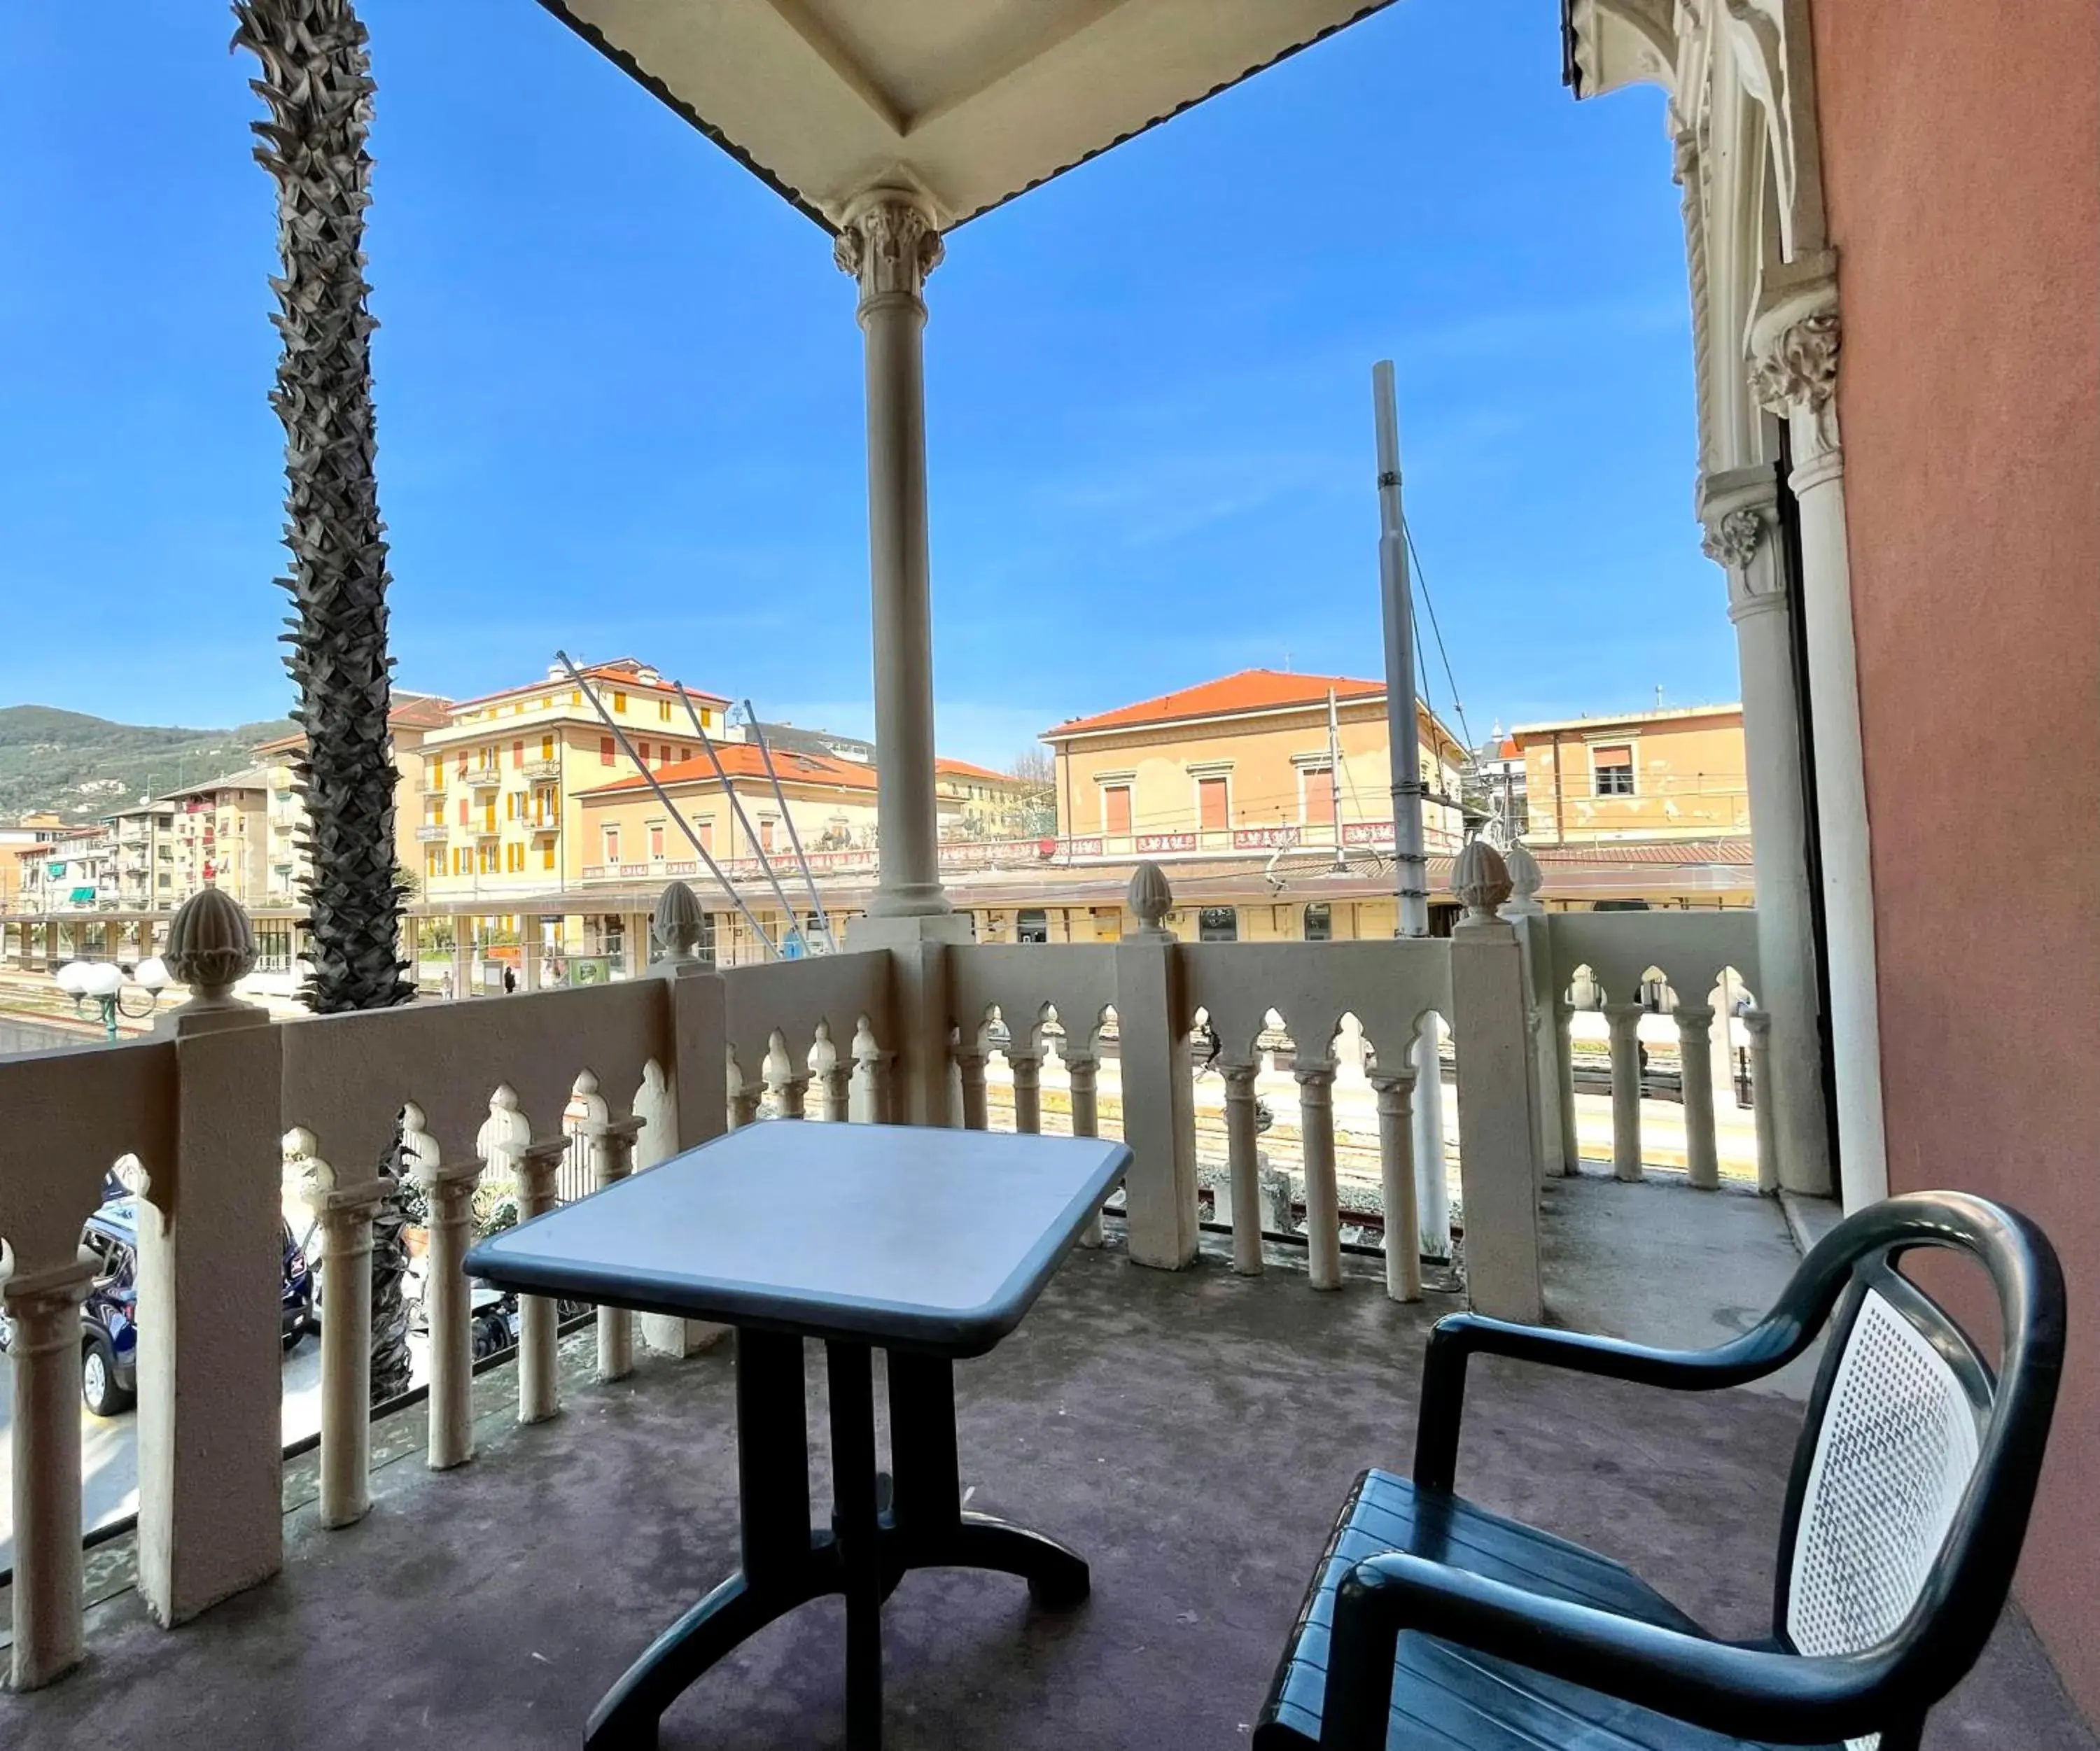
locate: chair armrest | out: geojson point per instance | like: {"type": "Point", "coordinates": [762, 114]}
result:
{"type": "Point", "coordinates": [1771, 1344]}
{"type": "Point", "coordinates": [1723, 1686]}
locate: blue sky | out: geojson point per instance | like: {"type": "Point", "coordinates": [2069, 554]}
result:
{"type": "Point", "coordinates": [618, 384]}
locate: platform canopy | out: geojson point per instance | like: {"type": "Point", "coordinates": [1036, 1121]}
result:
{"type": "Point", "coordinates": [969, 103]}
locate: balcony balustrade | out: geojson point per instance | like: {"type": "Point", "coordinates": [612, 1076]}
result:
{"type": "Point", "coordinates": [539, 769]}
{"type": "Point", "coordinates": [432, 832]}
{"type": "Point", "coordinates": [546, 1093]}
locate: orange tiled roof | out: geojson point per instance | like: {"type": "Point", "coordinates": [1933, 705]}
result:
{"type": "Point", "coordinates": [1252, 689]}
{"type": "Point", "coordinates": [962, 769]}
{"type": "Point", "coordinates": [741, 760]}
{"type": "Point", "coordinates": [623, 670]}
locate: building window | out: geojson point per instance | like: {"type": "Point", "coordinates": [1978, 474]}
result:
{"type": "Point", "coordinates": [1212, 808]}
{"type": "Point", "coordinates": [517, 755]}
{"type": "Point", "coordinates": [612, 844]}
{"type": "Point", "coordinates": [1319, 922]}
{"type": "Point", "coordinates": [684, 754]}
{"type": "Point", "coordinates": [619, 702]}
{"type": "Point", "coordinates": [546, 747]}
{"type": "Point", "coordinates": [1218, 924]}
{"type": "Point", "coordinates": [1031, 926]}
{"type": "Point", "coordinates": [462, 763]}
{"type": "Point", "coordinates": [706, 830]}
{"type": "Point", "coordinates": [465, 806]}
{"type": "Point", "coordinates": [435, 771]}
{"type": "Point", "coordinates": [434, 860]}
{"type": "Point", "coordinates": [664, 711]}
{"type": "Point", "coordinates": [662, 755]}
{"type": "Point", "coordinates": [765, 832]}
{"type": "Point", "coordinates": [547, 855]}
{"type": "Point", "coordinates": [1316, 795]}
{"type": "Point", "coordinates": [656, 841]}
{"type": "Point", "coordinates": [1613, 768]}
{"type": "Point", "coordinates": [605, 755]}
{"type": "Point", "coordinates": [1115, 809]}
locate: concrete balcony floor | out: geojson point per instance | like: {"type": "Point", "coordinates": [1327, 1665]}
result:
{"type": "Point", "coordinates": [1192, 1434]}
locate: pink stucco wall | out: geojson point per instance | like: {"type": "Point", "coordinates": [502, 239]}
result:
{"type": "Point", "coordinates": [1961, 155]}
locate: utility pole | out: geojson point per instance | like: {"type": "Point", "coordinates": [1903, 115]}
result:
{"type": "Point", "coordinates": [1403, 739]}
{"type": "Point", "coordinates": [1402, 733]}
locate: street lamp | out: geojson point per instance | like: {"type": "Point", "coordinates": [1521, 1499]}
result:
{"type": "Point", "coordinates": [105, 980]}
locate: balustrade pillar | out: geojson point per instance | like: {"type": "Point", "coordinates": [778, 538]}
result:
{"type": "Point", "coordinates": [970, 1068]}
{"type": "Point", "coordinates": [345, 1214]}
{"type": "Point", "coordinates": [1027, 1068]}
{"type": "Point", "coordinates": [1433, 1188]}
{"type": "Point", "coordinates": [1084, 1069]}
{"type": "Point", "coordinates": [1316, 1131]}
{"type": "Point", "coordinates": [1623, 1020]}
{"type": "Point", "coordinates": [1563, 1050]}
{"type": "Point", "coordinates": [447, 1306]}
{"type": "Point", "coordinates": [533, 1170]}
{"type": "Point", "coordinates": [43, 1355]}
{"type": "Point", "coordinates": [1243, 1166]}
{"type": "Point", "coordinates": [612, 1160]}
{"type": "Point", "coordinates": [743, 1093]}
{"type": "Point", "coordinates": [1403, 1227]}
{"type": "Point", "coordinates": [1758, 1024]}
{"type": "Point", "coordinates": [791, 1093]}
{"type": "Point", "coordinates": [1695, 1071]}
{"type": "Point", "coordinates": [837, 1083]}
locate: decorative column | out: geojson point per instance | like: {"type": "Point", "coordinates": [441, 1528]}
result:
{"type": "Point", "coordinates": [1794, 341]}
{"type": "Point", "coordinates": [1432, 1187]}
{"type": "Point", "coordinates": [533, 1168]}
{"type": "Point", "coordinates": [1403, 1225]}
{"type": "Point", "coordinates": [1027, 1067]}
{"type": "Point", "coordinates": [1737, 508]}
{"type": "Point", "coordinates": [1695, 1075]}
{"type": "Point", "coordinates": [1623, 1020]}
{"type": "Point", "coordinates": [43, 1355]}
{"type": "Point", "coordinates": [1243, 1166]}
{"type": "Point", "coordinates": [1315, 1130]}
{"type": "Point", "coordinates": [1083, 1068]}
{"type": "Point", "coordinates": [447, 1300]}
{"type": "Point", "coordinates": [345, 1213]}
{"type": "Point", "coordinates": [890, 243]}
{"type": "Point", "coordinates": [1756, 1023]}
{"type": "Point", "coordinates": [970, 1075]}
{"type": "Point", "coordinates": [612, 1159]}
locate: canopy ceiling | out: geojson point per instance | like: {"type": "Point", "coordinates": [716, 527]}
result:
{"type": "Point", "coordinates": [970, 102]}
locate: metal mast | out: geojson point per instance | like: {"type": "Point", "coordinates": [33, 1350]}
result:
{"type": "Point", "coordinates": [1403, 736]}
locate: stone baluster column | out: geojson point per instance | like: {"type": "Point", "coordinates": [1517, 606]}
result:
{"type": "Point", "coordinates": [612, 1159]}
{"type": "Point", "coordinates": [790, 1081]}
{"type": "Point", "coordinates": [1695, 1063]}
{"type": "Point", "coordinates": [1153, 1017]}
{"type": "Point", "coordinates": [1794, 343]}
{"type": "Point", "coordinates": [447, 1301]}
{"type": "Point", "coordinates": [43, 1356]}
{"type": "Point", "coordinates": [1083, 1068]}
{"type": "Point", "coordinates": [1758, 1024]}
{"type": "Point", "coordinates": [1741, 536]}
{"type": "Point", "coordinates": [1623, 1020]}
{"type": "Point", "coordinates": [744, 1095]}
{"type": "Point", "coordinates": [532, 1172]}
{"type": "Point", "coordinates": [970, 1065]}
{"type": "Point", "coordinates": [1563, 1048]}
{"type": "Point", "coordinates": [1395, 1090]}
{"type": "Point", "coordinates": [837, 1083]}
{"type": "Point", "coordinates": [889, 243]}
{"type": "Point", "coordinates": [1243, 1166]}
{"type": "Point", "coordinates": [345, 1214]}
{"type": "Point", "coordinates": [1027, 1068]}
{"type": "Point", "coordinates": [1433, 1188]}
{"type": "Point", "coordinates": [1315, 1129]}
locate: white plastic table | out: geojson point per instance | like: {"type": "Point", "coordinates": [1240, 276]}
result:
{"type": "Point", "coordinates": [930, 1245]}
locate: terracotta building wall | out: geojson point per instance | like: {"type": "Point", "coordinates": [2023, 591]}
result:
{"type": "Point", "coordinates": [1961, 154]}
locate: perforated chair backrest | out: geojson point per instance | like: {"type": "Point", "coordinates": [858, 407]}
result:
{"type": "Point", "coordinates": [1889, 1489]}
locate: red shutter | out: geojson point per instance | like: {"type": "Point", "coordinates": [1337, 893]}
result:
{"type": "Point", "coordinates": [1116, 799]}
{"type": "Point", "coordinates": [1210, 805]}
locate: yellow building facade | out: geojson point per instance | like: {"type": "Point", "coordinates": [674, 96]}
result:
{"type": "Point", "coordinates": [1250, 762]}
{"type": "Point", "coordinates": [495, 814]}
{"type": "Point", "coordinates": [1680, 772]}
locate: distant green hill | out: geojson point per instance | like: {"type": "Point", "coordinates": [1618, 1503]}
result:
{"type": "Point", "coordinates": [81, 768]}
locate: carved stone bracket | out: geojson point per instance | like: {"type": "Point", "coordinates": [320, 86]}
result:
{"type": "Point", "coordinates": [890, 243]}
{"type": "Point", "coordinates": [1731, 539]}
{"type": "Point", "coordinates": [1798, 367]}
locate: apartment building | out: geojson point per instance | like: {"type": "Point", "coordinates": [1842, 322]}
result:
{"type": "Point", "coordinates": [494, 817]}
{"type": "Point", "coordinates": [1257, 762]}
{"type": "Point", "coordinates": [1676, 773]}
{"type": "Point", "coordinates": [413, 717]}
{"type": "Point", "coordinates": [218, 836]}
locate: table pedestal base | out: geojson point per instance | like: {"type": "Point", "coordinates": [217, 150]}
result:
{"type": "Point", "coordinates": [865, 1552]}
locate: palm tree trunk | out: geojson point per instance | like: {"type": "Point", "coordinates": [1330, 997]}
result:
{"type": "Point", "coordinates": [316, 84]}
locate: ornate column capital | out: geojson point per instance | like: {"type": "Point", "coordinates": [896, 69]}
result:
{"type": "Point", "coordinates": [1791, 355]}
{"type": "Point", "coordinates": [1738, 507]}
{"type": "Point", "coordinates": [1733, 537]}
{"type": "Point", "coordinates": [890, 243]}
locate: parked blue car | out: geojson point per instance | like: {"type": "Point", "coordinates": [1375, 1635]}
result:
{"type": "Point", "coordinates": [109, 1318]}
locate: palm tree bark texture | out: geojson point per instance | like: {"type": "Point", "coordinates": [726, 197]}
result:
{"type": "Point", "coordinates": [316, 84]}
